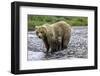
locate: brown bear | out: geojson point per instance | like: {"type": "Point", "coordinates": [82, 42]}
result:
{"type": "Point", "coordinates": [55, 36]}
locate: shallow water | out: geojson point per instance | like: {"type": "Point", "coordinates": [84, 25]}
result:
{"type": "Point", "coordinates": [77, 47]}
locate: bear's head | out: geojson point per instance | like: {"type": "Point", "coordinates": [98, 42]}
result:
{"type": "Point", "coordinates": [41, 32]}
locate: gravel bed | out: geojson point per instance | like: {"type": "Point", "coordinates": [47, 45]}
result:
{"type": "Point", "coordinates": [77, 47]}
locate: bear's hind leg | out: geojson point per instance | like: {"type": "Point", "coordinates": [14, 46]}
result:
{"type": "Point", "coordinates": [53, 47]}
{"type": "Point", "coordinates": [65, 42]}
{"type": "Point", "coordinates": [59, 43]}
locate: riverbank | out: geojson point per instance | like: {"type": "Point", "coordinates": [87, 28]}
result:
{"type": "Point", "coordinates": [77, 47]}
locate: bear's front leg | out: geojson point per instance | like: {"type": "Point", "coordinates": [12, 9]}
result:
{"type": "Point", "coordinates": [47, 49]}
{"type": "Point", "coordinates": [46, 45]}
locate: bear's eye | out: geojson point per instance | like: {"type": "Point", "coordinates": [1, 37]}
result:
{"type": "Point", "coordinates": [41, 31]}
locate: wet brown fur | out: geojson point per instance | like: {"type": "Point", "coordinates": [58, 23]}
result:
{"type": "Point", "coordinates": [55, 36]}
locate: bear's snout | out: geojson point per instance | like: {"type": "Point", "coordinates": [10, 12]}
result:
{"type": "Point", "coordinates": [39, 35]}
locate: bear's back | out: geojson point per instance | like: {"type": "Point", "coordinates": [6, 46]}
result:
{"type": "Point", "coordinates": [61, 26]}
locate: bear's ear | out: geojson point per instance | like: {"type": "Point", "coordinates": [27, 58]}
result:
{"type": "Point", "coordinates": [46, 24]}
{"type": "Point", "coordinates": [36, 27]}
